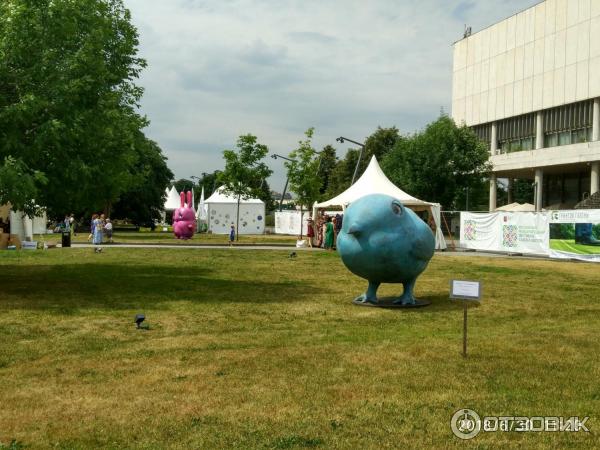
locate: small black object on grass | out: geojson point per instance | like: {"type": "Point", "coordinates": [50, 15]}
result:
{"type": "Point", "coordinates": [139, 318]}
{"type": "Point", "coordinates": [293, 255]}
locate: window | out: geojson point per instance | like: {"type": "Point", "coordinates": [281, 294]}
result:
{"type": "Point", "coordinates": [569, 124]}
{"type": "Point", "coordinates": [517, 133]}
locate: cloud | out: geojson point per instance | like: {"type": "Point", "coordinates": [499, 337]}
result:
{"type": "Point", "coordinates": [222, 68]}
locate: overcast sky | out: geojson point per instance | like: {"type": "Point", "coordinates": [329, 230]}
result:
{"type": "Point", "coordinates": [221, 68]}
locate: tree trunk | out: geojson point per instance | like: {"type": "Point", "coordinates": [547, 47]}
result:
{"type": "Point", "coordinates": [301, 222]}
{"type": "Point", "coordinates": [237, 229]}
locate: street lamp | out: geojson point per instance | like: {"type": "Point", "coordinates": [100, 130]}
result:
{"type": "Point", "coordinates": [275, 156]}
{"type": "Point", "coordinates": [341, 140]}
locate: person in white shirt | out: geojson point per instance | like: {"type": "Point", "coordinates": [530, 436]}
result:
{"type": "Point", "coordinates": [108, 227]}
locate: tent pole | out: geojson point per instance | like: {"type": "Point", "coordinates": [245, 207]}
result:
{"type": "Point", "coordinates": [449, 230]}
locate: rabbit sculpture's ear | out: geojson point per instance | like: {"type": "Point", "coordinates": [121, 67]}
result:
{"type": "Point", "coordinates": [182, 197]}
{"type": "Point", "coordinates": [189, 199]}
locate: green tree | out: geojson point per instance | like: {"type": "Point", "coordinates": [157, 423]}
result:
{"type": "Point", "coordinates": [18, 185]}
{"type": "Point", "coordinates": [143, 202]}
{"type": "Point", "coordinates": [438, 163]}
{"type": "Point", "coordinates": [266, 196]}
{"type": "Point", "coordinates": [378, 144]}
{"type": "Point", "coordinates": [341, 175]}
{"type": "Point", "coordinates": [244, 171]}
{"type": "Point", "coordinates": [68, 100]}
{"type": "Point", "coordinates": [302, 173]}
{"type": "Point", "coordinates": [327, 162]}
{"type": "Point", "coordinates": [184, 185]}
{"type": "Point", "coordinates": [523, 191]}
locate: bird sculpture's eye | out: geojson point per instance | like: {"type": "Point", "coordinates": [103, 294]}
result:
{"type": "Point", "coordinates": [397, 208]}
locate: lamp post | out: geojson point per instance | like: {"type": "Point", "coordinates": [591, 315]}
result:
{"type": "Point", "coordinates": [275, 156]}
{"type": "Point", "coordinates": [341, 140]}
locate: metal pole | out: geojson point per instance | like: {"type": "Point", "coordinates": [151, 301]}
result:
{"type": "Point", "coordinates": [465, 330]}
{"type": "Point", "coordinates": [283, 194]}
{"type": "Point", "coordinates": [357, 164]}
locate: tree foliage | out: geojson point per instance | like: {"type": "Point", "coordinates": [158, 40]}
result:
{"type": "Point", "coordinates": [378, 144]}
{"type": "Point", "coordinates": [438, 163]}
{"type": "Point", "coordinates": [302, 172]}
{"type": "Point", "coordinates": [143, 202]}
{"type": "Point", "coordinates": [341, 175]}
{"type": "Point", "coordinates": [245, 170]}
{"type": "Point", "coordinates": [68, 101]}
{"type": "Point", "coordinates": [327, 163]}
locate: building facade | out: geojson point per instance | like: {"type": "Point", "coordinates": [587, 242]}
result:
{"type": "Point", "coordinates": [529, 86]}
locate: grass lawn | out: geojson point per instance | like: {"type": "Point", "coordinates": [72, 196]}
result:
{"type": "Point", "coordinates": [569, 245]}
{"type": "Point", "coordinates": [148, 237]}
{"type": "Point", "coordinates": [253, 349]}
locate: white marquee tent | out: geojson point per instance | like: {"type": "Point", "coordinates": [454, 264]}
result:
{"type": "Point", "coordinates": [374, 181]}
{"type": "Point", "coordinates": [173, 200]}
{"type": "Point", "coordinates": [222, 209]}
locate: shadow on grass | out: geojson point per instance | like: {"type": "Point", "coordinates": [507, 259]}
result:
{"type": "Point", "coordinates": [66, 288]}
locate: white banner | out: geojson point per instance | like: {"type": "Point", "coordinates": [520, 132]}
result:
{"type": "Point", "coordinates": [518, 232]}
{"type": "Point", "coordinates": [288, 222]}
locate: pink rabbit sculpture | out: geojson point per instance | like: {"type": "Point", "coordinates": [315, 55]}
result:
{"type": "Point", "coordinates": [184, 218]}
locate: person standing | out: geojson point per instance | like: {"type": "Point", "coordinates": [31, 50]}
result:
{"type": "Point", "coordinates": [72, 224]}
{"type": "Point", "coordinates": [328, 234]}
{"type": "Point", "coordinates": [92, 227]}
{"type": "Point", "coordinates": [310, 230]}
{"type": "Point", "coordinates": [109, 230]}
{"type": "Point", "coordinates": [231, 235]}
{"type": "Point", "coordinates": [98, 230]}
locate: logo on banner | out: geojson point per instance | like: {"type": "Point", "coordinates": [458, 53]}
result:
{"type": "Point", "coordinates": [510, 236]}
{"type": "Point", "coordinates": [470, 230]}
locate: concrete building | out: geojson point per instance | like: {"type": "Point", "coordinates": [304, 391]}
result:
{"type": "Point", "coordinates": [530, 87]}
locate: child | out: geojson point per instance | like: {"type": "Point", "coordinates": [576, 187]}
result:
{"type": "Point", "coordinates": [109, 230]}
{"type": "Point", "coordinates": [232, 235]}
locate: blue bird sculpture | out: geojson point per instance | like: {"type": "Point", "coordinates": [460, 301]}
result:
{"type": "Point", "coordinates": [385, 242]}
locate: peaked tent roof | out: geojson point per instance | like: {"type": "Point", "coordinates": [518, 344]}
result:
{"type": "Point", "coordinates": [219, 196]}
{"type": "Point", "coordinates": [173, 200]}
{"type": "Point", "coordinates": [373, 181]}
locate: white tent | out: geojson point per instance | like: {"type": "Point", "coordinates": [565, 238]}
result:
{"type": "Point", "coordinates": [22, 225]}
{"type": "Point", "coordinates": [222, 209]}
{"type": "Point", "coordinates": [517, 207]}
{"type": "Point", "coordinates": [374, 181]}
{"type": "Point", "coordinates": [201, 213]}
{"type": "Point", "coordinates": [173, 200]}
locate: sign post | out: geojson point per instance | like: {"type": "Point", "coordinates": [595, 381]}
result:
{"type": "Point", "coordinates": [468, 292]}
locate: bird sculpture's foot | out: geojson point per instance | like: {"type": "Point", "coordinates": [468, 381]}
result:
{"type": "Point", "coordinates": [364, 298]}
{"type": "Point", "coordinates": [405, 299]}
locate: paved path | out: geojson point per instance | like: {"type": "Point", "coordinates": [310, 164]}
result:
{"type": "Point", "coordinates": [290, 248]}
{"type": "Point", "coordinates": [183, 246]}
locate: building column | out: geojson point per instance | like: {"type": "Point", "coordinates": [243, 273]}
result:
{"type": "Point", "coordinates": [594, 176]}
{"type": "Point", "coordinates": [510, 191]}
{"type": "Point", "coordinates": [596, 121]}
{"type": "Point", "coordinates": [493, 191]}
{"type": "Point", "coordinates": [539, 130]}
{"type": "Point", "coordinates": [494, 139]}
{"type": "Point", "coordinates": [539, 188]}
